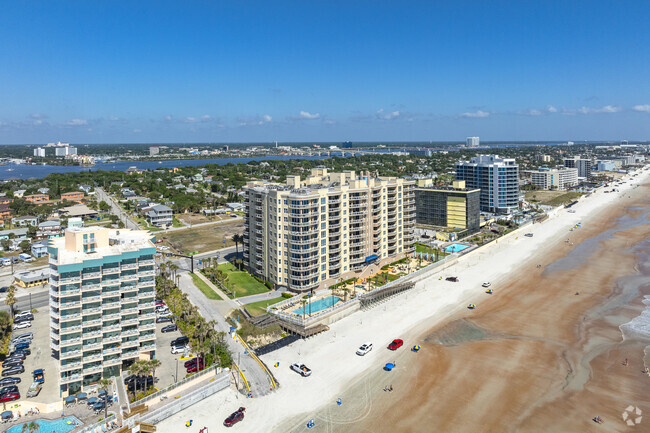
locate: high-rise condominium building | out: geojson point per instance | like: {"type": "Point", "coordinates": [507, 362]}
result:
{"type": "Point", "coordinates": [555, 179]}
{"type": "Point", "coordinates": [472, 141]}
{"type": "Point", "coordinates": [101, 303]}
{"type": "Point", "coordinates": [497, 178]}
{"type": "Point", "coordinates": [455, 207]}
{"type": "Point", "coordinates": [312, 233]}
{"type": "Point", "coordinates": [65, 150]}
{"type": "Point", "coordinates": [39, 152]}
{"type": "Point", "coordinates": [582, 164]}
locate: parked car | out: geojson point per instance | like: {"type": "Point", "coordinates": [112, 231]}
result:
{"type": "Point", "coordinates": [9, 396]}
{"type": "Point", "coordinates": [17, 355]}
{"type": "Point", "coordinates": [193, 361]}
{"type": "Point", "coordinates": [486, 284]}
{"type": "Point", "coordinates": [9, 388]}
{"type": "Point", "coordinates": [182, 340]}
{"type": "Point", "coordinates": [195, 367]}
{"type": "Point", "coordinates": [16, 369]}
{"type": "Point", "coordinates": [34, 389]}
{"type": "Point", "coordinates": [9, 381]}
{"type": "Point", "coordinates": [23, 325]}
{"type": "Point", "coordinates": [163, 319]}
{"type": "Point", "coordinates": [21, 346]}
{"type": "Point", "coordinates": [454, 279]}
{"type": "Point", "coordinates": [25, 352]}
{"type": "Point", "coordinates": [3, 289]}
{"type": "Point", "coordinates": [530, 235]}
{"type": "Point", "coordinates": [365, 348]}
{"type": "Point", "coordinates": [395, 344]}
{"type": "Point", "coordinates": [22, 317]}
{"type": "Point", "coordinates": [179, 349]}
{"type": "Point", "coordinates": [169, 328]}
{"type": "Point", "coordinates": [301, 369]}
{"type": "Point", "coordinates": [161, 308]}
{"type": "Point", "coordinates": [29, 335]}
{"type": "Point", "coordinates": [235, 417]}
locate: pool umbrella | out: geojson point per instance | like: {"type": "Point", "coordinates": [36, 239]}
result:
{"type": "Point", "coordinates": [102, 392]}
{"type": "Point", "coordinates": [389, 366]}
{"type": "Point", "coordinates": [81, 396]}
{"type": "Point", "coordinates": [416, 348]}
{"type": "Point", "coordinates": [70, 398]}
{"type": "Point", "coordinates": [6, 414]}
{"type": "Point", "coordinates": [92, 400]}
{"type": "Point", "coordinates": [471, 306]}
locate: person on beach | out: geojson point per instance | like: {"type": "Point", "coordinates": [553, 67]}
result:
{"type": "Point", "coordinates": [390, 389]}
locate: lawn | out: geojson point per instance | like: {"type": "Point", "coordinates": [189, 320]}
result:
{"type": "Point", "coordinates": [243, 283]}
{"type": "Point", "coordinates": [177, 223]}
{"type": "Point", "coordinates": [552, 198]}
{"type": "Point", "coordinates": [204, 238]}
{"type": "Point", "coordinates": [203, 287]}
{"type": "Point", "coordinates": [259, 307]}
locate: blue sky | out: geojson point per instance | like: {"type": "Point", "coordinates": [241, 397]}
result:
{"type": "Point", "coordinates": [217, 71]}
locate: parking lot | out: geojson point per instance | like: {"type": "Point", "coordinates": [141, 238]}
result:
{"type": "Point", "coordinates": [41, 357]}
{"type": "Point", "coordinates": [166, 374]}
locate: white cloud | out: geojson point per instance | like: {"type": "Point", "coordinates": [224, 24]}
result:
{"type": "Point", "coordinates": [329, 122]}
{"type": "Point", "coordinates": [477, 113]}
{"type": "Point", "coordinates": [308, 115]}
{"type": "Point", "coordinates": [136, 131]}
{"type": "Point", "coordinates": [113, 118]}
{"type": "Point", "coordinates": [168, 118]}
{"type": "Point", "coordinates": [189, 120]}
{"type": "Point", "coordinates": [387, 116]}
{"type": "Point", "coordinates": [267, 118]}
{"type": "Point", "coordinates": [644, 108]}
{"type": "Point", "coordinates": [605, 109]}
{"type": "Point", "coordinates": [206, 118]}
{"type": "Point", "coordinates": [76, 122]}
{"type": "Point", "coordinates": [551, 109]}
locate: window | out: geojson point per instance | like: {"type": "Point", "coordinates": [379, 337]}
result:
{"type": "Point", "coordinates": [323, 250]}
{"type": "Point", "coordinates": [322, 200]}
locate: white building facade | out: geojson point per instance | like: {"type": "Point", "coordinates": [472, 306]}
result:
{"type": "Point", "coordinates": [497, 178]}
{"type": "Point", "coordinates": [555, 179]}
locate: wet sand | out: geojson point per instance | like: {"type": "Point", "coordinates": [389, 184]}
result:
{"type": "Point", "coordinates": [536, 356]}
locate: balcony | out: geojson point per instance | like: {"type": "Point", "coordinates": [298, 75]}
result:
{"type": "Point", "coordinates": [110, 304]}
{"type": "Point", "coordinates": [68, 280]}
{"type": "Point", "coordinates": [112, 361]}
{"type": "Point", "coordinates": [108, 283]}
{"type": "Point", "coordinates": [70, 304]}
{"type": "Point", "coordinates": [93, 357]}
{"type": "Point", "coordinates": [70, 378]}
{"type": "Point", "coordinates": [147, 326]}
{"type": "Point", "coordinates": [132, 321]}
{"type": "Point", "coordinates": [69, 329]}
{"type": "Point", "coordinates": [128, 277]}
{"type": "Point", "coordinates": [146, 273]}
{"type": "Point", "coordinates": [130, 343]}
{"type": "Point", "coordinates": [91, 298]}
{"type": "Point", "coordinates": [88, 275]}
{"type": "Point", "coordinates": [111, 315]}
{"type": "Point", "coordinates": [109, 293]}
{"type": "Point", "coordinates": [92, 345]}
{"type": "Point", "coordinates": [146, 347]}
{"type": "Point", "coordinates": [113, 349]}
{"type": "Point", "coordinates": [69, 317]}
{"type": "Point", "coordinates": [129, 288]}
{"type": "Point", "coordinates": [70, 354]}
{"type": "Point", "coordinates": [110, 271]}
{"type": "Point", "coordinates": [132, 353]}
{"type": "Point", "coordinates": [70, 366]}
{"type": "Point", "coordinates": [308, 268]}
{"type": "Point", "coordinates": [54, 345]}
{"type": "Point", "coordinates": [147, 315]}
{"type": "Point", "coordinates": [145, 262]}
{"type": "Point", "coordinates": [113, 326]}
{"type": "Point", "coordinates": [147, 336]}
{"type": "Point", "coordinates": [128, 266]}
{"type": "Point", "coordinates": [133, 331]}
{"type": "Point", "coordinates": [91, 310]}
{"type": "Point", "coordinates": [93, 369]}
{"type": "Point", "coordinates": [117, 337]}
{"type": "Point", "coordinates": [92, 322]}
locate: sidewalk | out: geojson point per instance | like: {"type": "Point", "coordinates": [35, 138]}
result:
{"type": "Point", "coordinates": [210, 284]}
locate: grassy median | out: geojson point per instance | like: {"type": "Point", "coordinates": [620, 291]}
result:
{"type": "Point", "coordinates": [203, 287]}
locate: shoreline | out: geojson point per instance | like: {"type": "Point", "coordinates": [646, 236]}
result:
{"type": "Point", "coordinates": [408, 316]}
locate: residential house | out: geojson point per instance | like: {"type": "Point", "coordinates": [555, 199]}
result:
{"type": "Point", "coordinates": [20, 193]}
{"type": "Point", "coordinates": [79, 210]}
{"type": "Point", "coordinates": [18, 234]}
{"type": "Point", "coordinates": [85, 188]}
{"type": "Point", "coordinates": [197, 177]}
{"type": "Point", "coordinates": [5, 211]}
{"type": "Point", "coordinates": [43, 190]}
{"type": "Point", "coordinates": [235, 206]}
{"type": "Point", "coordinates": [76, 196]}
{"type": "Point", "coordinates": [37, 198]}
{"type": "Point", "coordinates": [75, 222]}
{"type": "Point", "coordinates": [39, 249]}
{"type": "Point", "coordinates": [6, 200]}
{"type": "Point", "coordinates": [160, 215]}
{"type": "Point", "coordinates": [49, 230]}
{"type": "Point", "coordinates": [25, 221]}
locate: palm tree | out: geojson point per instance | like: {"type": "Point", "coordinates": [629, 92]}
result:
{"type": "Point", "coordinates": [237, 238]}
{"type": "Point", "coordinates": [10, 299]}
{"type": "Point", "coordinates": [153, 365]}
{"type": "Point", "coordinates": [136, 369]}
{"type": "Point", "coordinates": [30, 427]}
{"type": "Point", "coordinates": [105, 384]}
{"type": "Point", "coordinates": [173, 267]}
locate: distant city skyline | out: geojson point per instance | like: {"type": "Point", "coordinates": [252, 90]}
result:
{"type": "Point", "coordinates": [124, 72]}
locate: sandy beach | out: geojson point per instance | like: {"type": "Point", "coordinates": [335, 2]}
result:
{"type": "Point", "coordinates": [533, 356]}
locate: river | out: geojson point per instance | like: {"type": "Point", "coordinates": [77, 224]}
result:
{"type": "Point", "coordinates": [22, 171]}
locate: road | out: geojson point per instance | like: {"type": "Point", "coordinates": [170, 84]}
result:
{"type": "Point", "coordinates": [39, 298]}
{"type": "Point", "coordinates": [184, 263]}
{"type": "Point", "coordinates": [116, 209]}
{"type": "Point", "coordinates": [258, 379]}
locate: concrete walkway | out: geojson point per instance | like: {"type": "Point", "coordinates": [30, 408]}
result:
{"type": "Point", "coordinates": [233, 305]}
{"type": "Point", "coordinates": [259, 297]}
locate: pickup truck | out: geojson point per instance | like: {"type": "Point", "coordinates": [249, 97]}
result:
{"type": "Point", "coordinates": [301, 369]}
{"type": "Point", "coordinates": [34, 389]}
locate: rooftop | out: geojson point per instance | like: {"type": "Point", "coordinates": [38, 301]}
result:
{"type": "Point", "coordinates": [109, 242]}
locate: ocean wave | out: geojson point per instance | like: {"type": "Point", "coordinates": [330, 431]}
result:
{"type": "Point", "coordinates": [639, 327]}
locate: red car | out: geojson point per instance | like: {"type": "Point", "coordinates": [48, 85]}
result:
{"type": "Point", "coordinates": [9, 396]}
{"type": "Point", "coordinates": [396, 344]}
{"type": "Point", "coordinates": [193, 361]}
{"type": "Point", "coordinates": [193, 368]}
{"type": "Point", "coordinates": [235, 417]}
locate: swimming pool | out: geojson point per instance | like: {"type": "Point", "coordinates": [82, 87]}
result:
{"type": "Point", "coordinates": [318, 305]}
{"type": "Point", "coordinates": [454, 248]}
{"type": "Point", "coordinates": [58, 425]}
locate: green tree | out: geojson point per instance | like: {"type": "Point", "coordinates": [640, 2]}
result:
{"type": "Point", "coordinates": [103, 206]}
{"type": "Point", "coordinates": [154, 364]}
{"type": "Point", "coordinates": [10, 299]}
{"type": "Point", "coordinates": [105, 385]}
{"type": "Point", "coordinates": [25, 246]}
